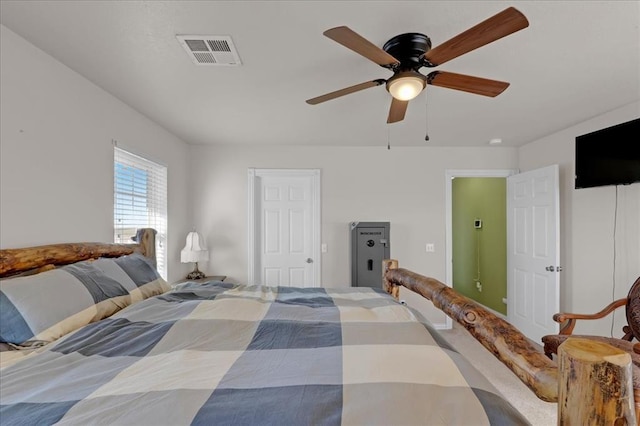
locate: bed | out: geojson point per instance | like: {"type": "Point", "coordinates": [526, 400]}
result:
{"type": "Point", "coordinates": [132, 350]}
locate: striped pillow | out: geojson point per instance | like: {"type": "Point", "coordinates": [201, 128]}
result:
{"type": "Point", "coordinates": [136, 273]}
{"type": "Point", "coordinates": [46, 306]}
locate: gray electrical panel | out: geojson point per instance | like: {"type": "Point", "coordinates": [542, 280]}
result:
{"type": "Point", "coordinates": [369, 247]}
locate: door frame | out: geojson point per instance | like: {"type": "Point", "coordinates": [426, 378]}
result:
{"type": "Point", "coordinates": [449, 175]}
{"type": "Point", "coordinates": [254, 175]}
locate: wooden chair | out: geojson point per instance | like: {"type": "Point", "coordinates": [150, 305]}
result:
{"type": "Point", "coordinates": [631, 331]}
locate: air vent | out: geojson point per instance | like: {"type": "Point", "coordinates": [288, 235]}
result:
{"type": "Point", "coordinates": [210, 50]}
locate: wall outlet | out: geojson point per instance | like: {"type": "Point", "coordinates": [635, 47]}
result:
{"type": "Point", "coordinates": [479, 286]}
{"type": "Point", "coordinates": [430, 248]}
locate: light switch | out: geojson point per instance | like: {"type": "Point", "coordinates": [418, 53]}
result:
{"type": "Point", "coordinates": [323, 247]}
{"type": "Point", "coordinates": [431, 247]}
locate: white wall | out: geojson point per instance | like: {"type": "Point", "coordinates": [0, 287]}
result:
{"type": "Point", "coordinates": [56, 154]}
{"type": "Point", "coordinates": [587, 227]}
{"type": "Point", "coordinates": [404, 186]}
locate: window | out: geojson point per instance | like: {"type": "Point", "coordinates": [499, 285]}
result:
{"type": "Point", "coordinates": [140, 201]}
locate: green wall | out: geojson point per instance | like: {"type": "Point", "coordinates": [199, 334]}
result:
{"type": "Point", "coordinates": [485, 199]}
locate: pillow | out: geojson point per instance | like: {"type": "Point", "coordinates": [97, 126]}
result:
{"type": "Point", "coordinates": [136, 273]}
{"type": "Point", "coordinates": [41, 308]}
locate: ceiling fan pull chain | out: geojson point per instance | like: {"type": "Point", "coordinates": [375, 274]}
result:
{"type": "Point", "coordinates": [426, 119]}
{"type": "Point", "coordinates": [388, 137]}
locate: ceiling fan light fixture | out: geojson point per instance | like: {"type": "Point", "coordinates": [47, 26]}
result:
{"type": "Point", "coordinates": [406, 85]}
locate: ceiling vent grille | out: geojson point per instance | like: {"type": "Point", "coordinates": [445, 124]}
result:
{"type": "Point", "coordinates": [210, 50]}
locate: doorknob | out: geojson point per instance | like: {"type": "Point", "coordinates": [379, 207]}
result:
{"type": "Point", "coordinates": [309, 260]}
{"type": "Point", "coordinates": [550, 268]}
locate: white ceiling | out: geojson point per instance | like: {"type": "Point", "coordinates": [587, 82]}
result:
{"type": "Point", "coordinates": [576, 60]}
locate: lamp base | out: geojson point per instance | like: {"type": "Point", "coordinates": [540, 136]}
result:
{"type": "Point", "coordinates": [196, 274]}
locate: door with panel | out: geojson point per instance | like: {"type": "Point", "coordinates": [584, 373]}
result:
{"type": "Point", "coordinates": [286, 228]}
{"type": "Point", "coordinates": [533, 251]}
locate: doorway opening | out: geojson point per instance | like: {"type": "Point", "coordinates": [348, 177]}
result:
{"type": "Point", "coordinates": [469, 235]}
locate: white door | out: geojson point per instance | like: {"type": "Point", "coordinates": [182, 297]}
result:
{"type": "Point", "coordinates": [533, 251]}
{"type": "Point", "coordinates": [286, 227]}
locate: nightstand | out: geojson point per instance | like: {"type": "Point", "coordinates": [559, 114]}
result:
{"type": "Point", "coordinates": [201, 280]}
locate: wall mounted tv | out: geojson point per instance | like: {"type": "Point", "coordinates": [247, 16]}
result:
{"type": "Point", "coordinates": [610, 156]}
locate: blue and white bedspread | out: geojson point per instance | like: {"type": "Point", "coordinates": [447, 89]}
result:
{"type": "Point", "coordinates": [225, 354]}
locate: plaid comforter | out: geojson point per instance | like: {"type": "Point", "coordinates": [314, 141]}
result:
{"type": "Point", "coordinates": [225, 354]}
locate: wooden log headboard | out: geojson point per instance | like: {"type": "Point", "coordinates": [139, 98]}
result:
{"type": "Point", "coordinates": [16, 261]}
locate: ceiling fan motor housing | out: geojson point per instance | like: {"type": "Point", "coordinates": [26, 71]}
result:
{"type": "Point", "coordinates": [409, 49]}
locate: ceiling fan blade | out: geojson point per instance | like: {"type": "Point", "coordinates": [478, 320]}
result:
{"type": "Point", "coordinates": [350, 39]}
{"type": "Point", "coordinates": [397, 110]}
{"type": "Point", "coordinates": [467, 83]}
{"type": "Point", "coordinates": [345, 91]}
{"type": "Point", "coordinates": [500, 25]}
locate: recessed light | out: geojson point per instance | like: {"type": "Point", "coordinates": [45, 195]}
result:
{"type": "Point", "coordinates": [495, 141]}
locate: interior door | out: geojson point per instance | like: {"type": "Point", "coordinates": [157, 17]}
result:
{"type": "Point", "coordinates": [533, 251]}
{"type": "Point", "coordinates": [286, 229]}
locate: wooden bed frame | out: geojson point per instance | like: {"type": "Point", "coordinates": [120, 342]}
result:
{"type": "Point", "coordinates": [591, 381]}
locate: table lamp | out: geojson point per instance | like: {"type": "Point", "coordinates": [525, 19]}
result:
{"type": "Point", "coordinates": [194, 251]}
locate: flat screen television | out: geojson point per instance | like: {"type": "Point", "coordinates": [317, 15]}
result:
{"type": "Point", "coordinates": [609, 156]}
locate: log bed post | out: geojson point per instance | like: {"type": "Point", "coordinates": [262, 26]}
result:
{"type": "Point", "coordinates": [387, 285]}
{"type": "Point", "coordinates": [595, 384]}
{"type": "Point", "coordinates": [146, 238]}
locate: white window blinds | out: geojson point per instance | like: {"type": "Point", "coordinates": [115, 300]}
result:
{"type": "Point", "coordinates": [140, 201]}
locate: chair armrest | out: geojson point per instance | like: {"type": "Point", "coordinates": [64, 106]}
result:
{"type": "Point", "coordinates": [571, 318]}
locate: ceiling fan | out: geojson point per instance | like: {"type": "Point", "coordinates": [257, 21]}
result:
{"type": "Point", "coordinates": [405, 54]}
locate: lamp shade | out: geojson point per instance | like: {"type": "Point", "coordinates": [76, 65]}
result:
{"type": "Point", "coordinates": [194, 250]}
